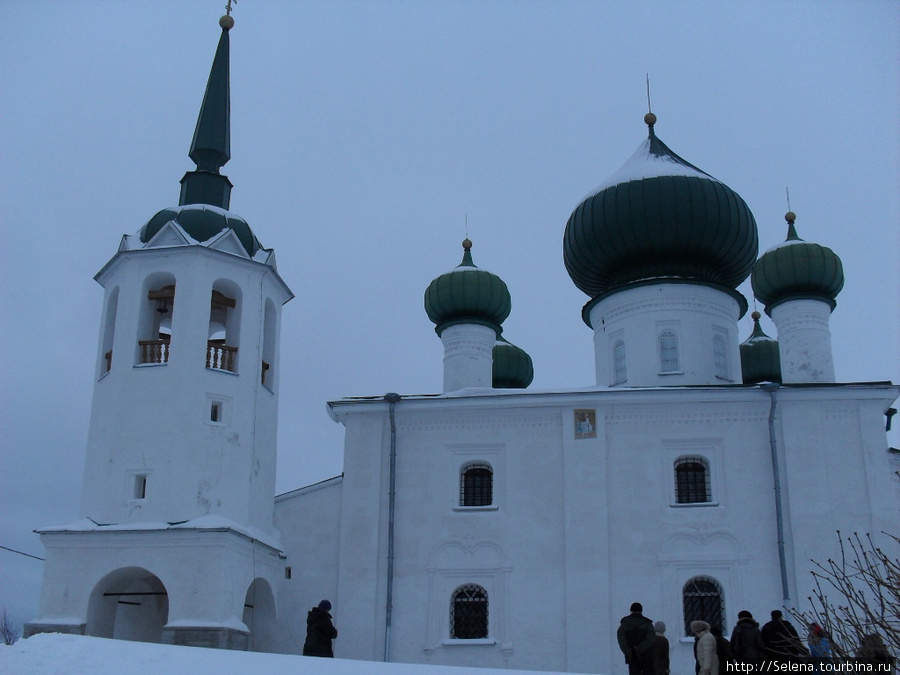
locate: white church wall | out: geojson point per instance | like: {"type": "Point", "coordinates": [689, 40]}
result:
{"type": "Point", "coordinates": [309, 520]}
{"type": "Point", "coordinates": [361, 539]}
{"type": "Point", "coordinates": [513, 548]}
{"type": "Point", "coordinates": [835, 452]}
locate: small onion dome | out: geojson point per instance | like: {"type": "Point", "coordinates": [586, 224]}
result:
{"type": "Point", "coordinates": [797, 270]}
{"type": "Point", "coordinates": [760, 358]}
{"type": "Point", "coordinates": [467, 295]}
{"type": "Point", "coordinates": [513, 368]}
{"type": "Point", "coordinates": [202, 222]}
{"type": "Point", "coordinates": [659, 216]}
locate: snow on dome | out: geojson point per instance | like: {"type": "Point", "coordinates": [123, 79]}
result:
{"type": "Point", "coordinates": [649, 161]}
{"type": "Point", "coordinates": [659, 217]}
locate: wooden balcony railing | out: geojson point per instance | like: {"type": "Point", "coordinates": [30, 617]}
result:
{"type": "Point", "coordinates": [154, 351]}
{"type": "Point", "coordinates": [220, 356]}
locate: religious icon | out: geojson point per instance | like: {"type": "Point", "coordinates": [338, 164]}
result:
{"type": "Point", "coordinates": [585, 424]}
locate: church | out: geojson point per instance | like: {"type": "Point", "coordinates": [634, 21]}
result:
{"type": "Point", "coordinates": [486, 525]}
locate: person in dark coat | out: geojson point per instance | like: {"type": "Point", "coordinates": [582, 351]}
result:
{"type": "Point", "coordinates": [319, 631]}
{"type": "Point", "coordinates": [636, 638]}
{"type": "Point", "coordinates": [746, 642]}
{"type": "Point", "coordinates": [661, 649]}
{"type": "Point", "coordinates": [723, 650]}
{"type": "Point", "coordinates": [780, 638]}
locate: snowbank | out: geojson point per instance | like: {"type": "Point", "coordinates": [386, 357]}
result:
{"type": "Point", "coordinates": [57, 654]}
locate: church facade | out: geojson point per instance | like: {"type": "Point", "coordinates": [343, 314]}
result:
{"type": "Point", "coordinates": [486, 525]}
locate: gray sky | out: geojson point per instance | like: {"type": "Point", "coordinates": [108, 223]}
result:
{"type": "Point", "coordinates": [363, 135]}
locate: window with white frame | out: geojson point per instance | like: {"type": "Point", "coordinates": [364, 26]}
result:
{"type": "Point", "coordinates": [692, 483]}
{"type": "Point", "coordinates": [469, 613]}
{"type": "Point", "coordinates": [721, 358]}
{"type": "Point", "coordinates": [669, 361]}
{"type": "Point", "coordinates": [476, 485]}
{"type": "Point", "coordinates": [703, 600]}
{"type": "Point", "coordinates": [620, 374]}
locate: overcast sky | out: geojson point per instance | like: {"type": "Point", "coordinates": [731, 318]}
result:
{"type": "Point", "coordinates": [363, 136]}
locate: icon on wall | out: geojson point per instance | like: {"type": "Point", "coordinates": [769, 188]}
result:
{"type": "Point", "coordinates": [585, 424]}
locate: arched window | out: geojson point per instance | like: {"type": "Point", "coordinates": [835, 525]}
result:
{"type": "Point", "coordinates": [721, 358]}
{"type": "Point", "coordinates": [109, 331]}
{"type": "Point", "coordinates": [469, 613]}
{"type": "Point", "coordinates": [692, 480]}
{"type": "Point", "coordinates": [155, 320]}
{"type": "Point", "coordinates": [620, 374]}
{"type": "Point", "coordinates": [668, 352]}
{"type": "Point", "coordinates": [267, 368]}
{"type": "Point", "coordinates": [702, 600]}
{"type": "Point", "coordinates": [476, 485]}
{"type": "Point", "coordinates": [223, 338]}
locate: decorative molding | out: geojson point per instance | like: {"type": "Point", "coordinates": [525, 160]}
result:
{"type": "Point", "coordinates": [688, 418]}
{"type": "Point", "coordinates": [466, 422]}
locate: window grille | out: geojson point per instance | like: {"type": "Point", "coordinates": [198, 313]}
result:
{"type": "Point", "coordinates": [692, 481]}
{"type": "Point", "coordinates": [703, 601]}
{"type": "Point", "coordinates": [668, 352]}
{"type": "Point", "coordinates": [720, 357]}
{"type": "Point", "coordinates": [621, 373]}
{"type": "Point", "coordinates": [476, 486]}
{"type": "Point", "coordinates": [469, 613]}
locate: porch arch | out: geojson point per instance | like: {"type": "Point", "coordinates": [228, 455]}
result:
{"type": "Point", "coordinates": [130, 603]}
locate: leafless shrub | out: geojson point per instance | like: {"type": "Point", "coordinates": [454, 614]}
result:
{"type": "Point", "coordinates": [857, 595]}
{"type": "Point", "coordinates": [8, 633]}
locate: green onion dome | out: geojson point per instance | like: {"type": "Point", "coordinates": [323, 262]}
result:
{"type": "Point", "coordinates": [202, 222]}
{"type": "Point", "coordinates": [467, 294]}
{"type": "Point", "coordinates": [659, 217]}
{"type": "Point", "coordinates": [512, 368]}
{"type": "Point", "coordinates": [797, 270]}
{"type": "Point", "coordinates": [760, 358]}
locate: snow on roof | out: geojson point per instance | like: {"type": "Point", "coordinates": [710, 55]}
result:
{"type": "Point", "coordinates": [209, 523]}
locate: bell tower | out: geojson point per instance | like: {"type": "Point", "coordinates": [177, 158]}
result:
{"type": "Point", "coordinates": [176, 531]}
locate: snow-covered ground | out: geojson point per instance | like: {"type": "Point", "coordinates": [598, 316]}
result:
{"type": "Point", "coordinates": [55, 654]}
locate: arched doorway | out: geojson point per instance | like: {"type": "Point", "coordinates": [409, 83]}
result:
{"type": "Point", "coordinates": [259, 616]}
{"type": "Point", "coordinates": [128, 604]}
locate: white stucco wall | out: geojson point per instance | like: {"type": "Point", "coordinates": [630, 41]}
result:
{"type": "Point", "coordinates": [584, 524]}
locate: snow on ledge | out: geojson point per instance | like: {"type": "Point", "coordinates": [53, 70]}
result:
{"type": "Point", "coordinates": [208, 523]}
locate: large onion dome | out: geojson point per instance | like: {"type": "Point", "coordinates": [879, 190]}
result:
{"type": "Point", "coordinates": [760, 358]}
{"type": "Point", "coordinates": [797, 270]}
{"type": "Point", "coordinates": [467, 294]}
{"type": "Point", "coordinates": [202, 222]}
{"type": "Point", "coordinates": [659, 217]}
{"type": "Point", "coordinates": [512, 367]}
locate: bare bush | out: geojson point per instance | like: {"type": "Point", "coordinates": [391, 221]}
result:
{"type": "Point", "coordinates": [8, 633]}
{"type": "Point", "coordinates": [857, 595]}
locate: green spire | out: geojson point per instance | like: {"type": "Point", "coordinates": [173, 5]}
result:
{"type": "Point", "coordinates": [211, 145]}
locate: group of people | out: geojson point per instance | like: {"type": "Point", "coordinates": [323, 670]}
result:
{"type": "Point", "coordinates": [646, 648]}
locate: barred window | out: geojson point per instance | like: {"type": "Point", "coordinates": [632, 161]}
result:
{"type": "Point", "coordinates": [476, 485]}
{"type": "Point", "coordinates": [469, 613]}
{"type": "Point", "coordinates": [702, 599]}
{"type": "Point", "coordinates": [668, 352]}
{"type": "Point", "coordinates": [692, 481]}
{"type": "Point", "coordinates": [621, 374]}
